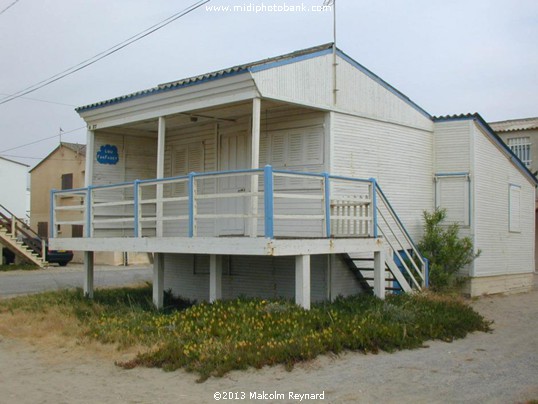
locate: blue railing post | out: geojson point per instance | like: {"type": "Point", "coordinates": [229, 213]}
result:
{"type": "Point", "coordinates": [136, 208]}
{"type": "Point", "coordinates": [191, 204]}
{"type": "Point", "coordinates": [327, 196]}
{"type": "Point", "coordinates": [374, 206]}
{"type": "Point", "coordinates": [51, 213]}
{"type": "Point", "coordinates": [426, 272]}
{"type": "Point", "coordinates": [268, 182]}
{"type": "Point", "coordinates": [89, 211]}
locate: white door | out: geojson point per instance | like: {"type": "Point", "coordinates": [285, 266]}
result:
{"type": "Point", "coordinates": [234, 155]}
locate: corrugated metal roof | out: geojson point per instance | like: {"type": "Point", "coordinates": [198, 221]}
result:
{"type": "Point", "coordinates": [205, 77]}
{"type": "Point", "coordinates": [515, 124]}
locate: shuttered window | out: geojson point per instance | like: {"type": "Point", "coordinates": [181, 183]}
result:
{"type": "Point", "coordinates": [514, 208]}
{"type": "Point", "coordinates": [452, 194]}
{"type": "Point", "coordinates": [299, 147]}
{"type": "Point", "coordinates": [186, 159]}
{"type": "Point", "coordinates": [521, 146]}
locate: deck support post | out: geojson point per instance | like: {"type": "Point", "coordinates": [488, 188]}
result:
{"type": "Point", "coordinates": [215, 277]}
{"type": "Point", "coordinates": [302, 281]}
{"type": "Point", "coordinates": [88, 274]}
{"type": "Point", "coordinates": [158, 280]}
{"type": "Point", "coordinates": [379, 274]}
{"type": "Point", "coordinates": [255, 163]}
{"type": "Point", "coordinates": [161, 141]}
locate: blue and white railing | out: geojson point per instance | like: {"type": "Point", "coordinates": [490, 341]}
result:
{"type": "Point", "coordinates": [260, 202]}
{"type": "Point", "coordinates": [264, 202]}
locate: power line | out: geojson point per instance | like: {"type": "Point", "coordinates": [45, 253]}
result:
{"type": "Point", "coordinates": [8, 7]}
{"type": "Point", "coordinates": [42, 140]}
{"type": "Point", "coordinates": [104, 54]}
{"type": "Point", "coordinates": [40, 100]}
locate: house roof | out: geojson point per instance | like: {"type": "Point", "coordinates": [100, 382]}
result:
{"type": "Point", "coordinates": [515, 124]}
{"type": "Point", "coordinates": [13, 161]}
{"type": "Point", "coordinates": [75, 147]}
{"type": "Point", "coordinates": [494, 137]}
{"type": "Point", "coordinates": [263, 64]}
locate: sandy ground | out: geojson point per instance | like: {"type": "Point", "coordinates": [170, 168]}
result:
{"type": "Point", "coordinates": [498, 367]}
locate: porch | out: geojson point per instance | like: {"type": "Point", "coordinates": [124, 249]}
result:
{"type": "Point", "coordinates": [280, 213]}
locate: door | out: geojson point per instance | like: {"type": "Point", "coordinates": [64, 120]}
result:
{"type": "Point", "coordinates": [234, 155]}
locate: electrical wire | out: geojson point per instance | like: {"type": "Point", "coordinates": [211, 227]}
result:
{"type": "Point", "coordinates": [46, 101]}
{"type": "Point", "coordinates": [42, 140]}
{"type": "Point", "coordinates": [8, 7]}
{"type": "Point", "coordinates": [104, 54]}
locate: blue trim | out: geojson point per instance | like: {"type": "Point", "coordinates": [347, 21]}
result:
{"type": "Point", "coordinates": [136, 205]}
{"type": "Point", "coordinates": [494, 137]}
{"type": "Point", "coordinates": [191, 204]}
{"type": "Point", "coordinates": [327, 204]}
{"type": "Point", "coordinates": [383, 83]}
{"type": "Point", "coordinates": [51, 213]}
{"type": "Point", "coordinates": [89, 211]}
{"type": "Point", "coordinates": [339, 177]}
{"type": "Point", "coordinates": [244, 171]}
{"type": "Point", "coordinates": [284, 62]}
{"type": "Point", "coordinates": [299, 173]}
{"type": "Point", "coordinates": [269, 201]}
{"type": "Point", "coordinates": [460, 174]}
{"type": "Point", "coordinates": [396, 216]}
{"type": "Point", "coordinates": [374, 205]}
{"type": "Point", "coordinates": [426, 272]}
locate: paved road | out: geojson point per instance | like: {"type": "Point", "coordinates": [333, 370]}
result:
{"type": "Point", "coordinates": [15, 283]}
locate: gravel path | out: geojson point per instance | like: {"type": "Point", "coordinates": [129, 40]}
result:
{"type": "Point", "coordinates": [499, 367]}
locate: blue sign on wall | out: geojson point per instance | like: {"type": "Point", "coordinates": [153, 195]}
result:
{"type": "Point", "coordinates": [108, 154]}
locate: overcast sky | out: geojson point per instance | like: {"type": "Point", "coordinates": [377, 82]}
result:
{"type": "Point", "coordinates": [449, 56]}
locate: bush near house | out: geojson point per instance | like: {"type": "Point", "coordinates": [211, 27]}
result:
{"type": "Point", "coordinates": [446, 251]}
{"type": "Point", "coordinates": [212, 339]}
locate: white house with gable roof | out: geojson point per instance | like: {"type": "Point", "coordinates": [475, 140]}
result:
{"type": "Point", "coordinates": [295, 177]}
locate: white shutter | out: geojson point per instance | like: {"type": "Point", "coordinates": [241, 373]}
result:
{"type": "Point", "coordinates": [295, 149]}
{"type": "Point", "coordinates": [514, 208]}
{"type": "Point", "coordinates": [314, 147]}
{"type": "Point", "coordinates": [452, 194]}
{"type": "Point", "coordinates": [278, 150]}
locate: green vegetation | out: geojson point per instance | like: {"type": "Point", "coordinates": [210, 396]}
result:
{"type": "Point", "coordinates": [14, 267]}
{"type": "Point", "coordinates": [446, 251]}
{"type": "Point", "coordinates": [212, 339]}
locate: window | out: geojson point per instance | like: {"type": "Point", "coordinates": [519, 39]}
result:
{"type": "Point", "coordinates": [76, 230]}
{"type": "Point", "coordinates": [514, 208]}
{"type": "Point", "coordinates": [43, 229]}
{"type": "Point", "coordinates": [67, 181]}
{"type": "Point", "coordinates": [521, 146]}
{"type": "Point", "coordinates": [452, 194]}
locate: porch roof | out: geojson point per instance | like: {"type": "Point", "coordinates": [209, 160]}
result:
{"type": "Point", "coordinates": [231, 71]}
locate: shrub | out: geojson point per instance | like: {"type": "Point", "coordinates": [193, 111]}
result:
{"type": "Point", "coordinates": [446, 251]}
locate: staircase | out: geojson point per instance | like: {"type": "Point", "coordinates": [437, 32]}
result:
{"type": "Point", "coordinates": [19, 238]}
{"type": "Point", "coordinates": [405, 268]}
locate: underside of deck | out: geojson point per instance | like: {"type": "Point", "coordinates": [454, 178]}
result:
{"type": "Point", "coordinates": [222, 245]}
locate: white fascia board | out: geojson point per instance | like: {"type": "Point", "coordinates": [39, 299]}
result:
{"type": "Point", "coordinates": [220, 245]}
{"type": "Point", "coordinates": [198, 96]}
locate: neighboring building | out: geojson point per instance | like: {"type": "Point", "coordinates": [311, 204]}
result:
{"type": "Point", "coordinates": [232, 228]}
{"type": "Point", "coordinates": [521, 136]}
{"type": "Point", "coordinates": [64, 169]}
{"type": "Point", "coordinates": [13, 186]}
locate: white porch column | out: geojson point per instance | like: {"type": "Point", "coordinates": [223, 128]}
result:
{"type": "Point", "coordinates": [379, 274]}
{"type": "Point", "coordinates": [302, 281]}
{"type": "Point", "coordinates": [160, 172]}
{"type": "Point", "coordinates": [88, 274]}
{"type": "Point", "coordinates": [215, 277]}
{"type": "Point", "coordinates": [158, 280]}
{"type": "Point", "coordinates": [90, 157]}
{"type": "Point", "coordinates": [255, 163]}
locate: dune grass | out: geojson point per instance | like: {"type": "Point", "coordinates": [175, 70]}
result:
{"type": "Point", "coordinates": [213, 339]}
